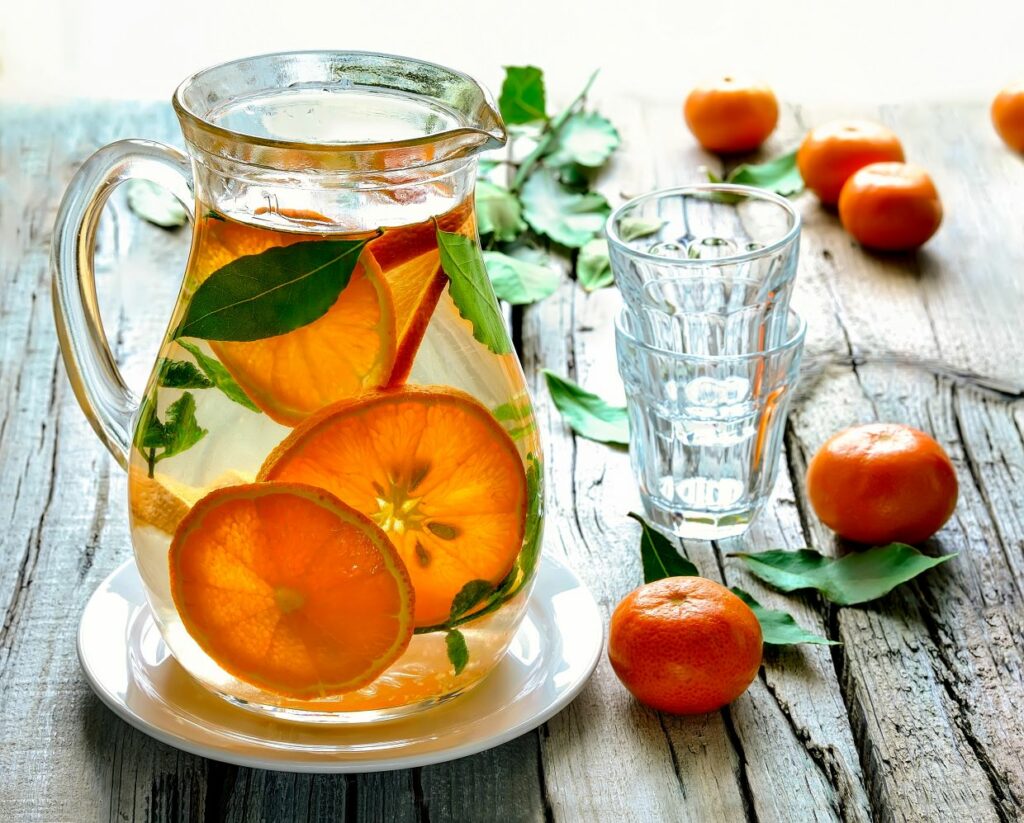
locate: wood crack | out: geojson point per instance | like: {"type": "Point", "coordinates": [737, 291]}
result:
{"type": "Point", "coordinates": [742, 780]}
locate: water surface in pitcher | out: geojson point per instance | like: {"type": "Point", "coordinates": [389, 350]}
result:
{"type": "Point", "coordinates": [335, 486]}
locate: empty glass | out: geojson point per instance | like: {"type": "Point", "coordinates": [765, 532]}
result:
{"type": "Point", "coordinates": [705, 429]}
{"type": "Point", "coordinates": [716, 231]}
{"type": "Point", "coordinates": [709, 316]}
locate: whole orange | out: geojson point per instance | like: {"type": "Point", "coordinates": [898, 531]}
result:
{"type": "Point", "coordinates": [890, 206]}
{"type": "Point", "coordinates": [1008, 116]}
{"type": "Point", "coordinates": [831, 153]}
{"type": "Point", "coordinates": [730, 116]}
{"type": "Point", "coordinates": [684, 645]}
{"type": "Point", "coordinates": [882, 483]}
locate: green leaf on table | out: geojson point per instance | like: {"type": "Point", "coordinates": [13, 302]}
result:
{"type": "Point", "coordinates": [593, 266]}
{"type": "Point", "coordinates": [274, 292]}
{"type": "Point", "coordinates": [180, 430]}
{"type": "Point", "coordinates": [517, 281]}
{"type": "Point", "coordinates": [155, 204]}
{"type": "Point", "coordinates": [180, 374]}
{"type": "Point", "coordinates": [458, 651]}
{"type": "Point", "coordinates": [587, 414]}
{"type": "Point", "coordinates": [633, 228]}
{"type": "Point", "coordinates": [549, 136]}
{"type": "Point", "coordinates": [587, 138]}
{"type": "Point", "coordinates": [219, 376]}
{"type": "Point", "coordinates": [470, 289]}
{"type": "Point", "coordinates": [498, 212]}
{"type": "Point", "coordinates": [659, 557]}
{"type": "Point", "coordinates": [779, 628]}
{"type": "Point", "coordinates": [566, 216]}
{"type": "Point", "coordinates": [855, 578]}
{"type": "Point", "coordinates": [779, 175]}
{"type": "Point", "coordinates": [469, 596]}
{"type": "Point", "coordinates": [522, 98]}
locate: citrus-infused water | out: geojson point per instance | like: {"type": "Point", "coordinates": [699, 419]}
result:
{"type": "Point", "coordinates": [335, 477]}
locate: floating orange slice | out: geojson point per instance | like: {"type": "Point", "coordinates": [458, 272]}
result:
{"type": "Point", "coordinates": [289, 589]}
{"type": "Point", "coordinates": [434, 469]}
{"type": "Point", "coordinates": [411, 263]}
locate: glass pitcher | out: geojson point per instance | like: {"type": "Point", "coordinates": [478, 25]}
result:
{"type": "Point", "coordinates": [334, 471]}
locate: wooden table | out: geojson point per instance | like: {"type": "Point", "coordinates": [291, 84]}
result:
{"type": "Point", "coordinates": [919, 715]}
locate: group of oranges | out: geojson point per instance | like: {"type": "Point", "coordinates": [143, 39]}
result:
{"type": "Point", "coordinates": [687, 645]}
{"type": "Point", "coordinates": [858, 166]}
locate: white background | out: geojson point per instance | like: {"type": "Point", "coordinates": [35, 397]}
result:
{"type": "Point", "coordinates": [868, 51]}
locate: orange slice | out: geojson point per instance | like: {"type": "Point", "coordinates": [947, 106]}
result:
{"type": "Point", "coordinates": [434, 469]}
{"type": "Point", "coordinates": [347, 351]}
{"type": "Point", "coordinates": [289, 589]}
{"type": "Point", "coordinates": [411, 263]}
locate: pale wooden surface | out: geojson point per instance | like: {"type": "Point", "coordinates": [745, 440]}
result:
{"type": "Point", "coordinates": [919, 715]}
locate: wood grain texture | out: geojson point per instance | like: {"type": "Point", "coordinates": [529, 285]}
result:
{"type": "Point", "coordinates": [919, 715]}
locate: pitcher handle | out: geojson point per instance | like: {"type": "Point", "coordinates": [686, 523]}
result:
{"type": "Point", "coordinates": [105, 398]}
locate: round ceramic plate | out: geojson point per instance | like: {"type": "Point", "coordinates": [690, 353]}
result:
{"type": "Point", "coordinates": [130, 668]}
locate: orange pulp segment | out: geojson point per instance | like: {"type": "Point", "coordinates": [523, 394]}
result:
{"type": "Point", "coordinates": [290, 590]}
{"type": "Point", "coordinates": [434, 469]}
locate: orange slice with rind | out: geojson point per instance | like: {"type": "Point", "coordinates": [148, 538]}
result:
{"type": "Point", "coordinates": [434, 469]}
{"type": "Point", "coordinates": [290, 590]}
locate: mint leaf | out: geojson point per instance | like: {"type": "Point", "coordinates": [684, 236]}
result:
{"type": "Point", "coordinates": [593, 266]}
{"type": "Point", "coordinates": [180, 374]}
{"type": "Point", "coordinates": [591, 416]}
{"type": "Point", "coordinates": [855, 578]}
{"type": "Point", "coordinates": [519, 282]}
{"type": "Point", "coordinates": [779, 175]}
{"type": "Point", "coordinates": [219, 376]}
{"type": "Point", "coordinates": [469, 596]}
{"type": "Point", "coordinates": [458, 651]}
{"type": "Point", "coordinates": [181, 431]}
{"type": "Point", "coordinates": [471, 291]}
{"type": "Point", "coordinates": [155, 204]}
{"type": "Point", "coordinates": [659, 557]}
{"type": "Point", "coordinates": [566, 216]}
{"type": "Point", "coordinates": [633, 228]}
{"type": "Point", "coordinates": [534, 517]}
{"type": "Point", "coordinates": [271, 293]}
{"type": "Point", "coordinates": [150, 434]}
{"type": "Point", "coordinates": [498, 212]}
{"type": "Point", "coordinates": [522, 98]}
{"type": "Point", "coordinates": [588, 138]}
{"type": "Point", "coordinates": [549, 136]}
{"type": "Point", "coordinates": [779, 628]}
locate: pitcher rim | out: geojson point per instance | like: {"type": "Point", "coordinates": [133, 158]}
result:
{"type": "Point", "coordinates": [184, 111]}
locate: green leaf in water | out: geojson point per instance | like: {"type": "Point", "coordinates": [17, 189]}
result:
{"type": "Point", "coordinates": [470, 289]}
{"type": "Point", "coordinates": [633, 228]}
{"type": "Point", "coordinates": [522, 98]}
{"type": "Point", "coordinates": [498, 212]}
{"type": "Point", "coordinates": [779, 628]}
{"type": "Point", "coordinates": [858, 577]}
{"type": "Point", "coordinates": [219, 376]}
{"type": "Point", "coordinates": [470, 595]}
{"type": "Point", "coordinates": [180, 374]}
{"type": "Point", "coordinates": [591, 416]}
{"type": "Point", "coordinates": [534, 520]}
{"type": "Point", "coordinates": [155, 204]}
{"type": "Point", "coordinates": [588, 138]}
{"type": "Point", "coordinates": [181, 431]}
{"type": "Point", "coordinates": [274, 292]}
{"type": "Point", "coordinates": [659, 557]}
{"type": "Point", "coordinates": [458, 651]}
{"type": "Point", "coordinates": [593, 266]}
{"type": "Point", "coordinates": [566, 216]}
{"type": "Point", "coordinates": [517, 281]}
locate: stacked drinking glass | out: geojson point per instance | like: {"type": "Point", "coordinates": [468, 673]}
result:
{"type": "Point", "coordinates": [708, 349]}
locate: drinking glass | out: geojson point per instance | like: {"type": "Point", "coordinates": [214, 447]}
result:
{"type": "Point", "coordinates": [716, 231]}
{"type": "Point", "coordinates": [705, 429]}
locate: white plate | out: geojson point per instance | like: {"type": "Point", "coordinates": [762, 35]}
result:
{"type": "Point", "coordinates": [130, 668]}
